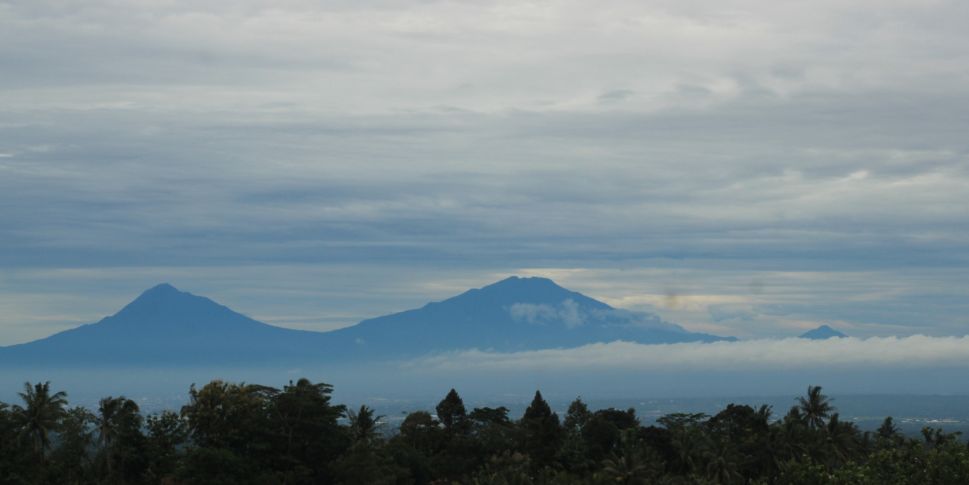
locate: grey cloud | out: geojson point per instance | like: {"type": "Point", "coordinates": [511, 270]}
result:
{"type": "Point", "coordinates": [616, 95]}
{"type": "Point", "coordinates": [823, 138]}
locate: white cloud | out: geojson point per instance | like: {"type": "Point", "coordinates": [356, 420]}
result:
{"type": "Point", "coordinates": [916, 351]}
{"type": "Point", "coordinates": [532, 313]}
{"type": "Point", "coordinates": [567, 312]}
{"type": "Point", "coordinates": [570, 314]}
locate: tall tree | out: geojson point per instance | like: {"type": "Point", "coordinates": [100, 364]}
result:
{"type": "Point", "coordinates": [842, 439]}
{"type": "Point", "coordinates": [542, 433]}
{"type": "Point", "coordinates": [687, 439]}
{"type": "Point", "coordinates": [493, 432]}
{"type": "Point", "coordinates": [888, 429]}
{"type": "Point", "coordinates": [70, 459]}
{"type": "Point", "coordinates": [630, 465]}
{"type": "Point", "coordinates": [367, 460]}
{"type": "Point", "coordinates": [40, 415]}
{"type": "Point", "coordinates": [815, 407]}
{"type": "Point", "coordinates": [15, 459]}
{"type": "Point", "coordinates": [363, 424]}
{"type": "Point", "coordinates": [118, 422]}
{"type": "Point", "coordinates": [309, 423]}
{"type": "Point", "coordinates": [577, 416]}
{"type": "Point", "coordinates": [458, 453]}
{"type": "Point", "coordinates": [228, 415]}
{"type": "Point", "coordinates": [167, 433]}
{"type": "Point", "coordinates": [451, 413]}
{"type": "Point", "coordinates": [422, 432]}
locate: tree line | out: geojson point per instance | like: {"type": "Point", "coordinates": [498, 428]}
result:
{"type": "Point", "coordinates": [237, 433]}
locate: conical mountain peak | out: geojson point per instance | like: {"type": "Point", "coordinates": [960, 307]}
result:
{"type": "Point", "coordinates": [516, 289]}
{"type": "Point", "coordinates": [164, 302]}
{"type": "Point", "coordinates": [823, 332]}
{"type": "Point", "coordinates": [520, 282]}
{"type": "Point", "coordinates": [162, 287]}
{"type": "Point", "coordinates": [161, 290]}
{"type": "Point", "coordinates": [165, 324]}
{"type": "Point", "coordinates": [161, 293]}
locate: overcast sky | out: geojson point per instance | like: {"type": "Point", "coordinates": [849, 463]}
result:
{"type": "Point", "coordinates": [749, 168]}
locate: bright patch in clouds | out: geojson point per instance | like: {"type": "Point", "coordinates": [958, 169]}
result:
{"type": "Point", "coordinates": [566, 312]}
{"type": "Point", "coordinates": [916, 351]}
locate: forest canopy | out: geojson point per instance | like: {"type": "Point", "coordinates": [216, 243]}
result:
{"type": "Point", "coordinates": [238, 433]}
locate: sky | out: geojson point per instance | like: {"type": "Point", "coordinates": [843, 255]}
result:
{"type": "Point", "coordinates": [749, 168]}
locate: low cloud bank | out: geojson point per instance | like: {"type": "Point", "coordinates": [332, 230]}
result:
{"type": "Point", "coordinates": [916, 351]}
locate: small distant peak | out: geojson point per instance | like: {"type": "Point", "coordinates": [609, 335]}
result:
{"type": "Point", "coordinates": [823, 332]}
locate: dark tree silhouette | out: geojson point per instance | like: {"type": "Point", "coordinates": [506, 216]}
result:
{"type": "Point", "coordinates": [577, 415]}
{"type": "Point", "coordinates": [40, 415]}
{"type": "Point", "coordinates": [250, 434]}
{"type": "Point", "coordinates": [422, 432]}
{"type": "Point", "coordinates": [363, 424]}
{"type": "Point", "coordinates": [167, 434]}
{"type": "Point", "coordinates": [118, 417]}
{"type": "Point", "coordinates": [451, 412]}
{"type": "Point", "coordinates": [888, 430]}
{"type": "Point", "coordinates": [542, 433]}
{"type": "Point", "coordinates": [815, 407]}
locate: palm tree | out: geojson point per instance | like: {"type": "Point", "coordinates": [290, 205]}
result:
{"type": "Point", "coordinates": [115, 416]}
{"type": "Point", "coordinates": [764, 413]}
{"type": "Point", "coordinates": [363, 424]}
{"type": "Point", "coordinates": [628, 467]}
{"type": "Point", "coordinates": [722, 463]}
{"type": "Point", "coordinates": [41, 414]}
{"type": "Point", "coordinates": [815, 407]}
{"type": "Point", "coordinates": [625, 468]}
{"type": "Point", "coordinates": [842, 439]}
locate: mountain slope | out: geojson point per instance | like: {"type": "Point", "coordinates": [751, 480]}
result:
{"type": "Point", "coordinates": [511, 315]}
{"type": "Point", "coordinates": [167, 326]}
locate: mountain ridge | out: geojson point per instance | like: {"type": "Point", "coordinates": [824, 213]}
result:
{"type": "Point", "coordinates": [166, 325]}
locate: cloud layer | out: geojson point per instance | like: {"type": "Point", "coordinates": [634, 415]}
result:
{"type": "Point", "coordinates": [744, 167]}
{"type": "Point", "coordinates": [914, 352]}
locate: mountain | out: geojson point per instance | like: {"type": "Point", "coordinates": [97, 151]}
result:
{"type": "Point", "coordinates": [514, 314]}
{"type": "Point", "coordinates": [823, 332]}
{"type": "Point", "coordinates": [167, 326]}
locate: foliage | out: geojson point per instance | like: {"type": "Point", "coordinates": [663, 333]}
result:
{"type": "Point", "coordinates": [40, 415]}
{"type": "Point", "coordinates": [237, 433]}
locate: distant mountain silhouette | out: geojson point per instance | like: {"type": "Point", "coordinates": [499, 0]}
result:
{"type": "Point", "coordinates": [823, 332]}
{"type": "Point", "coordinates": [514, 314]}
{"type": "Point", "coordinates": [165, 325]}
{"type": "Point", "coordinates": [168, 326]}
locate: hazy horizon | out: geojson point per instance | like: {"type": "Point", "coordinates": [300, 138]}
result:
{"type": "Point", "coordinates": [741, 168]}
{"type": "Point", "coordinates": [449, 241]}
